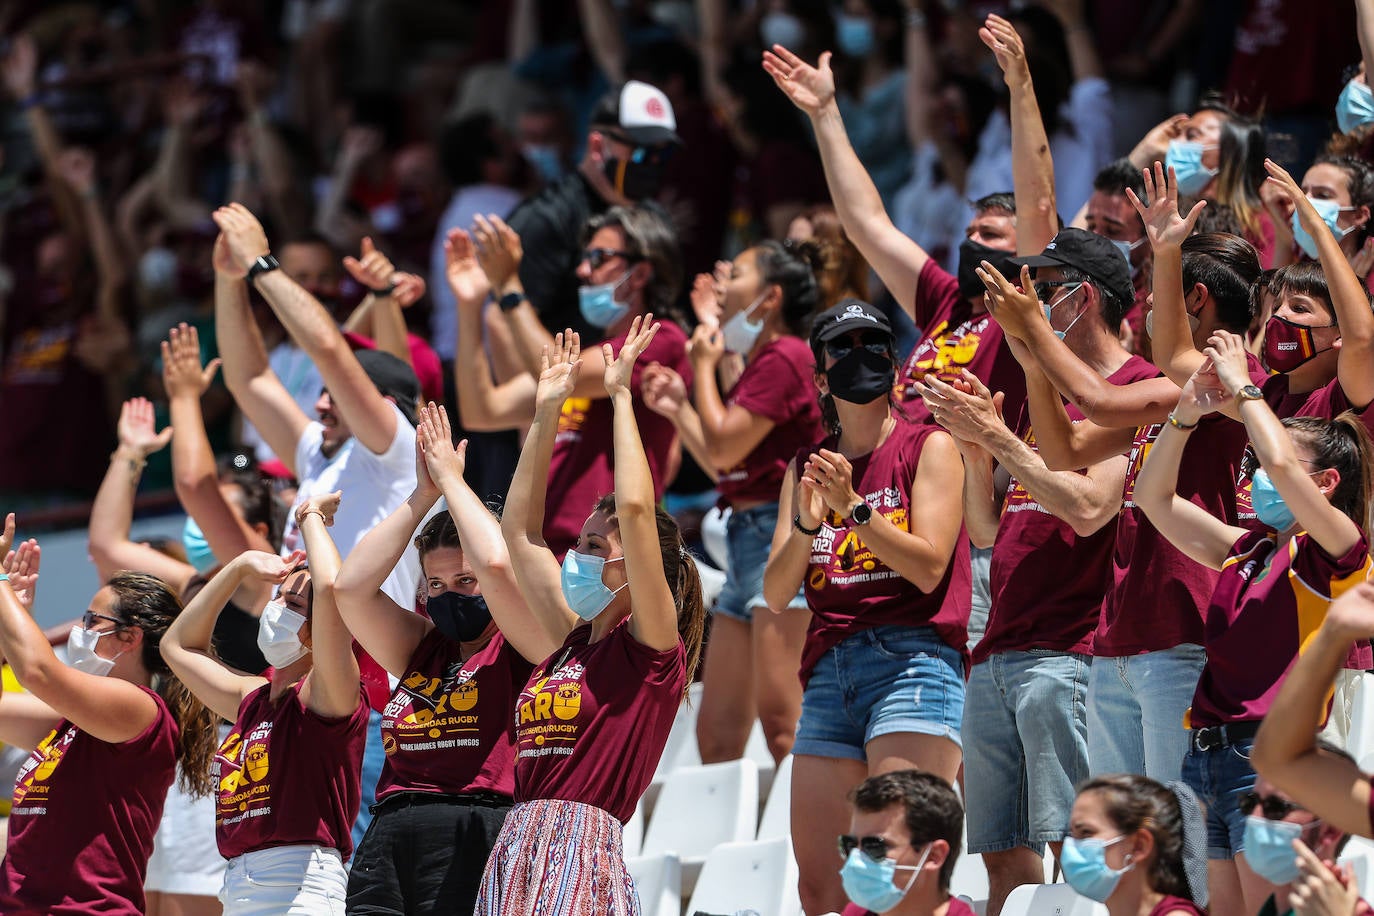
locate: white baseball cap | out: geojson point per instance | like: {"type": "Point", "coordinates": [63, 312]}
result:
{"type": "Point", "coordinates": [642, 112]}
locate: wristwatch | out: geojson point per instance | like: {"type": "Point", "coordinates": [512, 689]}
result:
{"type": "Point", "coordinates": [1250, 393]}
{"type": "Point", "coordinates": [510, 301]}
{"type": "Point", "coordinates": [262, 265]}
{"type": "Point", "coordinates": [861, 513]}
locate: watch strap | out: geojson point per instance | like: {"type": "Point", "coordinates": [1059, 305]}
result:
{"type": "Point", "coordinates": [510, 301]}
{"type": "Point", "coordinates": [262, 265]}
{"type": "Point", "coordinates": [1250, 393]}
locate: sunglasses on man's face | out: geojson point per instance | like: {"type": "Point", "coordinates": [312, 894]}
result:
{"type": "Point", "coordinates": [90, 619]}
{"type": "Point", "coordinates": [1044, 291]}
{"type": "Point", "coordinates": [841, 347]}
{"type": "Point", "coordinates": [875, 847]}
{"type": "Point", "coordinates": [595, 257]}
{"type": "Point", "coordinates": [1271, 806]}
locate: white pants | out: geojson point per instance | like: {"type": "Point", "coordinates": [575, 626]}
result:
{"type": "Point", "coordinates": [285, 881]}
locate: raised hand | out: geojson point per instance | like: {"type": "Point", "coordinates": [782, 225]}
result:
{"type": "Point", "coordinates": [1016, 309]}
{"type": "Point", "coordinates": [7, 535]}
{"type": "Point", "coordinates": [662, 390]}
{"type": "Point", "coordinates": [137, 431]}
{"type": "Point", "coordinates": [374, 270]}
{"type": "Point", "coordinates": [444, 461]}
{"type": "Point", "coordinates": [560, 366]}
{"type": "Point", "coordinates": [1202, 394]}
{"type": "Point", "coordinates": [1006, 45]}
{"type": "Point", "coordinates": [20, 67]}
{"type": "Point", "coordinates": [465, 275]}
{"type": "Point", "coordinates": [1307, 214]}
{"type": "Point", "coordinates": [326, 504]}
{"type": "Point", "coordinates": [620, 367]}
{"type": "Point", "coordinates": [810, 88]}
{"type": "Point", "coordinates": [499, 250]}
{"type": "Point", "coordinates": [223, 259]}
{"type": "Point", "coordinates": [182, 374]}
{"type": "Point", "coordinates": [706, 348]}
{"type": "Point", "coordinates": [21, 565]}
{"type": "Point", "coordinates": [409, 288]}
{"type": "Point", "coordinates": [359, 142]}
{"type": "Point", "coordinates": [269, 567]}
{"type": "Point", "coordinates": [1163, 224]}
{"type": "Point", "coordinates": [76, 165]}
{"type": "Point", "coordinates": [1155, 144]}
{"type": "Point", "coordinates": [243, 238]}
{"type": "Point", "coordinates": [968, 409]}
{"type": "Point", "coordinates": [706, 300]}
{"type": "Point", "coordinates": [1228, 355]}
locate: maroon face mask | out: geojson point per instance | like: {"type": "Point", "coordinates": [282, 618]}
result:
{"type": "Point", "coordinates": [1288, 346]}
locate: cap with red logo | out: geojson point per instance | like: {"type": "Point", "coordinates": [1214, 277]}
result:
{"type": "Point", "coordinates": [641, 112]}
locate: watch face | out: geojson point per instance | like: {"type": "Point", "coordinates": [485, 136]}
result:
{"type": "Point", "coordinates": [862, 513]}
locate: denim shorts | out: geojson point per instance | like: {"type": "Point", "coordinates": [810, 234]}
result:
{"type": "Point", "coordinates": [748, 537]}
{"type": "Point", "coordinates": [881, 681]}
{"type": "Point", "coordinates": [1026, 747]}
{"type": "Point", "coordinates": [1219, 777]}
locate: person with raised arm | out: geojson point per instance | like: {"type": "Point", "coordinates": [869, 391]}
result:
{"type": "Point", "coordinates": [448, 779]}
{"type": "Point", "coordinates": [287, 774]}
{"type": "Point", "coordinates": [870, 520]}
{"type": "Point", "coordinates": [619, 632]}
{"type": "Point", "coordinates": [1311, 490]}
{"type": "Point", "coordinates": [108, 729]}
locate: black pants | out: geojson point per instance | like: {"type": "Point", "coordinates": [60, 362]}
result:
{"type": "Point", "coordinates": [423, 855]}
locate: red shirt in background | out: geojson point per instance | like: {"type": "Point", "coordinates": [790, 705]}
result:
{"type": "Point", "coordinates": [1289, 55]}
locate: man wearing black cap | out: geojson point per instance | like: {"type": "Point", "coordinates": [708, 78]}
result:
{"type": "Point", "coordinates": [633, 131]}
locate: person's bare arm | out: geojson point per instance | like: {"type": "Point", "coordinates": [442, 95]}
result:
{"type": "Point", "coordinates": [983, 497]}
{"type": "Point", "coordinates": [730, 432]}
{"type": "Point", "coordinates": [601, 29]}
{"type": "Point", "coordinates": [664, 392]}
{"type": "Point", "coordinates": [379, 316]}
{"type": "Point", "coordinates": [1063, 444]}
{"type": "Point", "coordinates": [1364, 27]}
{"type": "Point", "coordinates": [333, 688]}
{"type": "Point", "coordinates": [333, 220]}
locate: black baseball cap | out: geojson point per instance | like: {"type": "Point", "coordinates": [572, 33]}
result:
{"type": "Point", "coordinates": [641, 112]}
{"type": "Point", "coordinates": [1090, 253]}
{"type": "Point", "coordinates": [849, 315]}
{"type": "Point", "coordinates": [394, 379]}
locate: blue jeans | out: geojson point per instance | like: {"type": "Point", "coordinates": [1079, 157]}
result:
{"type": "Point", "coordinates": [1025, 747]}
{"type": "Point", "coordinates": [1219, 777]}
{"type": "Point", "coordinates": [373, 758]}
{"type": "Point", "coordinates": [1136, 705]}
{"type": "Point", "coordinates": [748, 537]}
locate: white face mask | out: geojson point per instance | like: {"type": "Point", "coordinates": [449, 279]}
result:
{"type": "Point", "coordinates": [279, 635]}
{"type": "Point", "coordinates": [81, 651]}
{"type": "Point", "coordinates": [739, 333]}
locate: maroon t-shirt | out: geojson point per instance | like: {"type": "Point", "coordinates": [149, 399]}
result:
{"type": "Point", "coordinates": [82, 823]}
{"type": "Point", "coordinates": [1269, 600]}
{"type": "Point", "coordinates": [1170, 905]}
{"type": "Point", "coordinates": [1034, 605]}
{"type": "Point", "coordinates": [448, 726]}
{"type": "Point", "coordinates": [592, 721]}
{"type": "Point", "coordinates": [849, 588]}
{"type": "Point", "coordinates": [286, 776]}
{"type": "Point", "coordinates": [777, 385]}
{"type": "Point", "coordinates": [956, 907]}
{"type": "Point", "coordinates": [583, 468]}
{"type": "Point", "coordinates": [952, 339]}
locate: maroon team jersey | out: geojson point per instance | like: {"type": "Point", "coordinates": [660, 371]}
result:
{"type": "Point", "coordinates": [952, 339]}
{"type": "Point", "coordinates": [1034, 605]}
{"type": "Point", "coordinates": [583, 469]}
{"type": "Point", "coordinates": [778, 385]}
{"type": "Point", "coordinates": [592, 721]}
{"type": "Point", "coordinates": [849, 588]}
{"type": "Point", "coordinates": [82, 823]}
{"type": "Point", "coordinates": [448, 726]}
{"type": "Point", "coordinates": [286, 776]}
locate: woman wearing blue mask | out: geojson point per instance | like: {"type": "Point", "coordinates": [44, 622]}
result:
{"type": "Point", "coordinates": [1311, 484]}
{"type": "Point", "coordinates": [1135, 846]}
{"type": "Point", "coordinates": [287, 773]}
{"type": "Point", "coordinates": [618, 633]}
{"type": "Point", "coordinates": [440, 802]}
{"type": "Point", "coordinates": [746, 436]}
{"type": "Point", "coordinates": [1341, 191]}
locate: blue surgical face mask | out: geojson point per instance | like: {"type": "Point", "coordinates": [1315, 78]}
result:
{"type": "Point", "coordinates": [198, 552]}
{"type": "Point", "coordinates": [1086, 869]}
{"type": "Point", "coordinates": [598, 304]}
{"type": "Point", "coordinates": [740, 334]}
{"type": "Point", "coordinates": [1355, 107]}
{"type": "Point", "coordinates": [1268, 504]}
{"type": "Point", "coordinates": [1126, 249]}
{"type": "Point", "coordinates": [868, 882]}
{"type": "Point", "coordinates": [854, 35]}
{"type": "Point", "coordinates": [1329, 211]}
{"type": "Point", "coordinates": [1269, 848]}
{"type": "Point", "coordinates": [779, 28]}
{"type": "Point", "coordinates": [1049, 311]}
{"type": "Point", "coordinates": [546, 160]}
{"type": "Point", "coordinates": [583, 588]}
{"type": "Point", "coordinates": [1185, 158]}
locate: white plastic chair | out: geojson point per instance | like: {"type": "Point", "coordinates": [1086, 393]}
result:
{"type": "Point", "coordinates": [759, 876]}
{"type": "Point", "coordinates": [633, 837]}
{"type": "Point", "coordinates": [700, 808]}
{"type": "Point", "coordinates": [1360, 742]}
{"type": "Point", "coordinates": [658, 880]}
{"type": "Point", "coordinates": [1359, 855]}
{"type": "Point", "coordinates": [681, 749]}
{"type": "Point", "coordinates": [1050, 900]}
{"type": "Point", "coordinates": [777, 811]}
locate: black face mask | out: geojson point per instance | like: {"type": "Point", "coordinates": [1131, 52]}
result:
{"type": "Point", "coordinates": [971, 256]}
{"type": "Point", "coordinates": [861, 376]}
{"type": "Point", "coordinates": [636, 180]}
{"type": "Point", "coordinates": [461, 618]}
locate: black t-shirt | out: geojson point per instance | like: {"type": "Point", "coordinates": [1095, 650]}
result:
{"type": "Point", "coordinates": [235, 640]}
{"type": "Point", "coordinates": [550, 225]}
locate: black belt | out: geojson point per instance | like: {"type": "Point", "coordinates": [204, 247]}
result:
{"type": "Point", "coordinates": [1214, 737]}
{"type": "Point", "coordinates": [411, 799]}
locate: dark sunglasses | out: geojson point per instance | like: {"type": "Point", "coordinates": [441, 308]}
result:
{"type": "Point", "coordinates": [88, 620]}
{"type": "Point", "coordinates": [875, 847]}
{"type": "Point", "coordinates": [1044, 291]}
{"type": "Point", "coordinates": [841, 347]}
{"type": "Point", "coordinates": [1271, 806]}
{"type": "Point", "coordinates": [643, 154]}
{"type": "Point", "coordinates": [595, 257]}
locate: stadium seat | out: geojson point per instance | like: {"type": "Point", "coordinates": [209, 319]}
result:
{"type": "Point", "coordinates": [700, 808]}
{"type": "Point", "coordinates": [757, 876]}
{"type": "Point", "coordinates": [777, 812]}
{"type": "Point", "coordinates": [658, 879]}
{"type": "Point", "coordinates": [634, 832]}
{"type": "Point", "coordinates": [1360, 742]}
{"type": "Point", "coordinates": [1359, 855]}
{"type": "Point", "coordinates": [1050, 900]}
{"type": "Point", "coordinates": [681, 749]}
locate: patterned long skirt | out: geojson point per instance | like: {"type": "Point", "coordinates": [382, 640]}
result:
{"type": "Point", "coordinates": [558, 858]}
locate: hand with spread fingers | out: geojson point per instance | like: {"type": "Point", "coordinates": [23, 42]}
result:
{"type": "Point", "coordinates": [620, 366]}
{"type": "Point", "coordinates": [1163, 223]}
{"type": "Point", "coordinates": [812, 89]}
{"type": "Point", "coordinates": [1016, 309]}
{"type": "Point", "coordinates": [182, 373]}
{"type": "Point", "coordinates": [560, 366]}
{"type": "Point", "coordinates": [21, 563]}
{"type": "Point", "coordinates": [137, 429]}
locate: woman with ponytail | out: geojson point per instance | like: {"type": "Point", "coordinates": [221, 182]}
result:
{"type": "Point", "coordinates": [745, 437]}
{"type": "Point", "coordinates": [108, 730]}
{"type": "Point", "coordinates": [617, 633]}
{"type": "Point", "coordinates": [1310, 487]}
{"type": "Point", "coordinates": [287, 774]}
{"type": "Point", "coordinates": [1138, 847]}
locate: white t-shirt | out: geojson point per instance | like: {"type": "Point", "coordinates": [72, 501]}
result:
{"type": "Point", "coordinates": [373, 487]}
